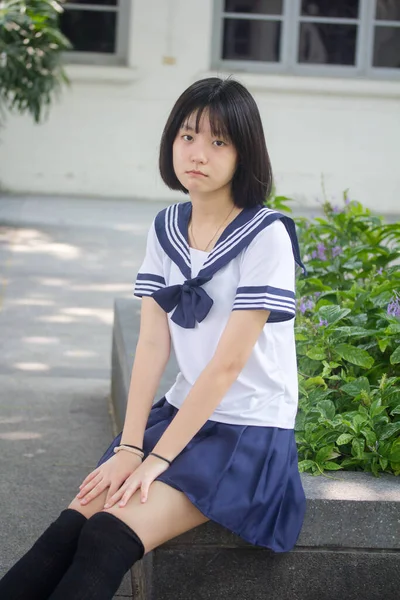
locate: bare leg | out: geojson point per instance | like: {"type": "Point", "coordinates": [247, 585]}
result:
{"type": "Point", "coordinates": [166, 514]}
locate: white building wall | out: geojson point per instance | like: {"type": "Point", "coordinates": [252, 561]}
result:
{"type": "Point", "coordinates": [102, 136]}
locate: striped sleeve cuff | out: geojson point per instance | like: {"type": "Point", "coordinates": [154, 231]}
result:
{"type": "Point", "coordinates": [147, 283]}
{"type": "Point", "coordinates": [281, 303]}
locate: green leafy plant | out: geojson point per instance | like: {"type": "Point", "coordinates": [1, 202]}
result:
{"type": "Point", "coordinates": [348, 341]}
{"type": "Point", "coordinates": [30, 55]}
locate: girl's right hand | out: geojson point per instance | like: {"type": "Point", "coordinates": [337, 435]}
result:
{"type": "Point", "coordinates": [111, 474]}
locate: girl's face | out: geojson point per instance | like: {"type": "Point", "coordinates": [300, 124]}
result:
{"type": "Point", "coordinates": [203, 163]}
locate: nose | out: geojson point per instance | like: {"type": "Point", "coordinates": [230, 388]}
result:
{"type": "Point", "coordinates": [198, 154]}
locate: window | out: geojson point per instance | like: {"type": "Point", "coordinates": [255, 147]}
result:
{"type": "Point", "coordinates": [97, 29]}
{"type": "Point", "coordinates": [325, 37]}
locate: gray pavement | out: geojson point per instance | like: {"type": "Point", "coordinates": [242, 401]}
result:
{"type": "Point", "coordinates": [62, 263]}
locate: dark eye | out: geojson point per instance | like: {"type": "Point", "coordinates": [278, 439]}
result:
{"type": "Point", "coordinates": [219, 142]}
{"type": "Point", "coordinates": [186, 135]}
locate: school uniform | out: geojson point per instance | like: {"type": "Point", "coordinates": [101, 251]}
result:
{"type": "Point", "coordinates": [241, 468]}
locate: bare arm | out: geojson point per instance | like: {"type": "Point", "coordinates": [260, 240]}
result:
{"type": "Point", "coordinates": [233, 351]}
{"type": "Point", "coordinates": [151, 356]}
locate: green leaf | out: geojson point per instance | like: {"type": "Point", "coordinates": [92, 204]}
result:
{"type": "Point", "coordinates": [333, 314]}
{"type": "Point", "coordinates": [388, 430]}
{"type": "Point", "coordinates": [357, 447]}
{"type": "Point", "coordinates": [383, 344]}
{"type": "Point", "coordinates": [323, 454]}
{"type": "Point", "coordinates": [354, 355]}
{"type": "Point", "coordinates": [383, 462]}
{"type": "Point", "coordinates": [370, 437]}
{"type": "Point", "coordinates": [353, 388]}
{"type": "Point", "coordinates": [359, 420]}
{"type": "Point", "coordinates": [317, 353]}
{"type": "Point", "coordinates": [395, 357]}
{"type": "Point", "coordinates": [304, 465]}
{"type": "Point", "coordinates": [376, 407]}
{"type": "Point", "coordinates": [352, 331]}
{"type": "Point", "coordinates": [345, 438]}
{"type": "Point", "coordinates": [327, 408]}
{"type": "Point", "coordinates": [331, 466]}
{"type": "Point", "coordinates": [394, 455]}
{"type": "Point", "coordinates": [314, 381]}
{"type": "Point", "coordinates": [393, 328]}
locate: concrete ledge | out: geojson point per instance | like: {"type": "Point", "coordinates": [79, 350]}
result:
{"type": "Point", "coordinates": [349, 544]}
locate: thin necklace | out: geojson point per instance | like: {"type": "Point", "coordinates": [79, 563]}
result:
{"type": "Point", "coordinates": [191, 230]}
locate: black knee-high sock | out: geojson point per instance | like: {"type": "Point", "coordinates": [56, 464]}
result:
{"type": "Point", "coordinates": [38, 572]}
{"type": "Point", "coordinates": [107, 548]}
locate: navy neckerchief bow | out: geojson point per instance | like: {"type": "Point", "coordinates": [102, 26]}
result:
{"type": "Point", "coordinates": [191, 302]}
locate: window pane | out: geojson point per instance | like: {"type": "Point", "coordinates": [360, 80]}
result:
{"type": "Point", "coordinates": [344, 9]}
{"type": "Point", "coordinates": [98, 2]}
{"type": "Point", "coordinates": [251, 40]}
{"type": "Point", "coordinates": [325, 43]}
{"type": "Point", "coordinates": [387, 47]}
{"type": "Point", "coordinates": [388, 10]}
{"type": "Point", "coordinates": [89, 31]}
{"type": "Point", "coordinates": [265, 7]}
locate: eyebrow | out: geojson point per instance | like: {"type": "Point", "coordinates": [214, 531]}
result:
{"type": "Point", "coordinates": [187, 126]}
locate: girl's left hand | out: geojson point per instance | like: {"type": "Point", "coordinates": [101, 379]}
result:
{"type": "Point", "coordinates": [141, 479]}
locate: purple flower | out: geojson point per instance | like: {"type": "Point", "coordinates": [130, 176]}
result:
{"type": "Point", "coordinates": [317, 294]}
{"type": "Point", "coordinates": [393, 308]}
{"type": "Point", "coordinates": [321, 251]}
{"type": "Point", "coordinates": [336, 250]}
{"type": "Point", "coordinates": [306, 304]}
{"type": "Point", "coordinates": [322, 323]}
{"type": "Point", "coordinates": [336, 210]}
{"type": "Point", "coordinates": [346, 199]}
{"type": "Point", "coordinates": [314, 254]}
{"type": "Point", "coordinates": [379, 271]}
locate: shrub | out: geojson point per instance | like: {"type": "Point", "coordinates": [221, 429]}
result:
{"type": "Point", "coordinates": [348, 341]}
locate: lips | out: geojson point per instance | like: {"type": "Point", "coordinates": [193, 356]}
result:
{"type": "Point", "coordinates": [196, 173]}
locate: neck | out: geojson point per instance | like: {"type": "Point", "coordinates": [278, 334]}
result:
{"type": "Point", "coordinates": [209, 210]}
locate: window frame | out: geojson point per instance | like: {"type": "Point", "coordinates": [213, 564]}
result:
{"type": "Point", "coordinates": [120, 56]}
{"type": "Point", "coordinates": [289, 65]}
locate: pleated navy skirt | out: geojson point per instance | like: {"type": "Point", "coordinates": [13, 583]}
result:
{"type": "Point", "coordinates": [243, 477]}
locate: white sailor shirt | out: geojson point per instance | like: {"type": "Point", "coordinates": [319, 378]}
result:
{"type": "Point", "coordinates": [252, 266]}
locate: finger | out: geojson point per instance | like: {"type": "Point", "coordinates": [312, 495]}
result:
{"type": "Point", "coordinates": [94, 493]}
{"type": "Point", "coordinates": [111, 491]}
{"type": "Point", "coordinates": [89, 486]}
{"type": "Point", "coordinates": [144, 491]}
{"type": "Point", "coordinates": [131, 489]}
{"type": "Point", "coordinates": [89, 477]}
{"type": "Point", "coordinates": [115, 497]}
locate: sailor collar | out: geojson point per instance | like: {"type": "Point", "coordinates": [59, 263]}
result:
{"type": "Point", "coordinates": [191, 302]}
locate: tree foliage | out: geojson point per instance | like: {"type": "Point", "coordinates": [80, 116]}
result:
{"type": "Point", "coordinates": [31, 45]}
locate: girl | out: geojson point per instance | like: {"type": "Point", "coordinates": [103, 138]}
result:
{"type": "Point", "coordinates": [218, 281]}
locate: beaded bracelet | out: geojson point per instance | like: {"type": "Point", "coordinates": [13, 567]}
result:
{"type": "Point", "coordinates": [127, 449]}
{"type": "Point", "coordinates": [162, 458]}
{"type": "Point", "coordinates": [130, 446]}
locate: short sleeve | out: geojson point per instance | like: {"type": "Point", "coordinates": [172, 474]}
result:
{"type": "Point", "coordinates": [267, 275]}
{"type": "Point", "coordinates": [150, 277]}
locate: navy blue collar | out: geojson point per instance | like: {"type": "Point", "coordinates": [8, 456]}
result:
{"type": "Point", "coordinates": [172, 232]}
{"type": "Point", "coordinates": [171, 225]}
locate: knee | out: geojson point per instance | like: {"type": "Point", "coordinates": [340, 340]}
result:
{"type": "Point", "coordinates": [104, 532]}
{"type": "Point", "coordinates": [87, 511]}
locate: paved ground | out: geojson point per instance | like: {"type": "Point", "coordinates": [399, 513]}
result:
{"type": "Point", "coordinates": [62, 263]}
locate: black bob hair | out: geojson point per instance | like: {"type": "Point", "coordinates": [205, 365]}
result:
{"type": "Point", "coordinates": [233, 114]}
